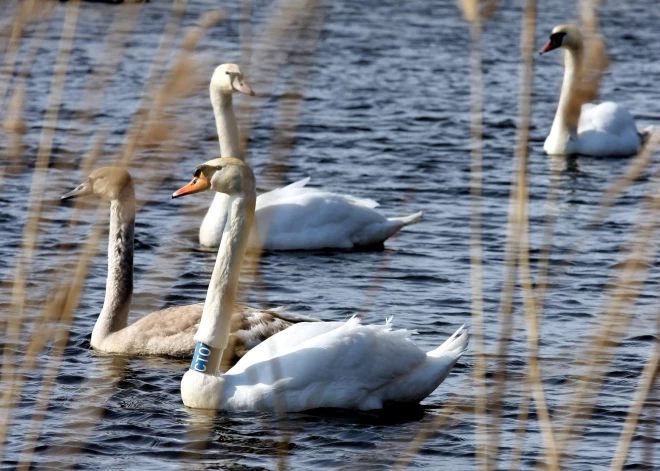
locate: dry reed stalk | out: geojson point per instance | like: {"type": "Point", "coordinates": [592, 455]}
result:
{"type": "Point", "coordinates": [38, 339]}
{"type": "Point", "coordinates": [306, 34]}
{"type": "Point", "coordinates": [57, 319]}
{"type": "Point", "coordinates": [61, 337]}
{"type": "Point", "coordinates": [309, 18]}
{"type": "Point", "coordinates": [93, 92]}
{"type": "Point", "coordinates": [245, 33]}
{"type": "Point", "coordinates": [62, 308]}
{"type": "Point", "coordinates": [539, 299]}
{"type": "Point", "coordinates": [157, 67]}
{"type": "Point", "coordinates": [521, 220]}
{"type": "Point", "coordinates": [41, 336]}
{"type": "Point", "coordinates": [644, 386]}
{"type": "Point", "coordinates": [476, 12]}
{"type": "Point", "coordinates": [272, 49]}
{"type": "Point", "coordinates": [7, 23]}
{"type": "Point", "coordinates": [476, 250]}
{"type": "Point", "coordinates": [13, 124]}
{"type": "Point", "coordinates": [177, 84]}
{"type": "Point", "coordinates": [446, 411]}
{"type": "Point", "coordinates": [599, 353]}
{"type": "Point", "coordinates": [521, 429]}
{"type": "Point", "coordinates": [634, 171]}
{"type": "Point", "coordinates": [376, 284]}
{"type": "Point", "coordinates": [654, 401]}
{"type": "Point", "coordinates": [26, 11]}
{"type": "Point", "coordinates": [122, 26]}
{"type": "Point", "coordinates": [35, 203]}
{"type": "Point", "coordinates": [594, 64]}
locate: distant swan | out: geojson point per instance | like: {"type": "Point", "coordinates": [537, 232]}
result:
{"type": "Point", "coordinates": [294, 217]}
{"type": "Point", "coordinates": [169, 331]}
{"type": "Point", "coordinates": [309, 365]}
{"type": "Point", "coordinates": [603, 130]}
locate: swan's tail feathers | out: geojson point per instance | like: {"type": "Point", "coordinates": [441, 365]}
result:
{"type": "Point", "coordinates": [456, 344]}
{"type": "Point", "coordinates": [645, 133]}
{"type": "Point", "coordinates": [407, 220]}
{"type": "Point", "coordinates": [299, 184]}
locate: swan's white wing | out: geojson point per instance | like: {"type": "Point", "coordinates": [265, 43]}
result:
{"type": "Point", "coordinates": [311, 219]}
{"type": "Point", "coordinates": [286, 339]}
{"type": "Point", "coordinates": [297, 193]}
{"type": "Point", "coordinates": [608, 116]}
{"type": "Point", "coordinates": [340, 367]}
{"type": "Point", "coordinates": [607, 129]}
{"type": "Point", "coordinates": [273, 195]}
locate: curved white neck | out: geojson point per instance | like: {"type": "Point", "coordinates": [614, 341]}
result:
{"type": "Point", "coordinates": [225, 122]}
{"type": "Point", "coordinates": [119, 285]}
{"type": "Point", "coordinates": [562, 126]}
{"type": "Point", "coordinates": [219, 305]}
{"type": "Point", "coordinates": [230, 146]}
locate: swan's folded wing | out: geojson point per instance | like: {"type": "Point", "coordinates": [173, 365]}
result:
{"type": "Point", "coordinates": [315, 220]}
{"type": "Point", "coordinates": [343, 363]}
{"type": "Point", "coordinates": [298, 193]}
{"type": "Point", "coordinates": [608, 117]}
{"type": "Point", "coordinates": [282, 342]}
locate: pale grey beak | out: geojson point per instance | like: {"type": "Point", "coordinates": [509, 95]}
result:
{"type": "Point", "coordinates": [83, 189]}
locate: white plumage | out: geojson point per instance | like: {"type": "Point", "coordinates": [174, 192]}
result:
{"type": "Point", "coordinates": [294, 217]}
{"type": "Point", "coordinates": [328, 364]}
{"type": "Point", "coordinates": [297, 217]}
{"type": "Point", "coordinates": [604, 130]}
{"type": "Point", "coordinates": [309, 365]}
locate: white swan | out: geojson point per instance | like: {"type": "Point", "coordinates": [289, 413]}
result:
{"type": "Point", "coordinates": [308, 365]}
{"type": "Point", "coordinates": [169, 331]}
{"type": "Point", "coordinates": [603, 130]}
{"type": "Point", "coordinates": [294, 217]}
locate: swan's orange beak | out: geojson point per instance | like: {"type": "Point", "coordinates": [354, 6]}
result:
{"type": "Point", "coordinates": [552, 44]}
{"type": "Point", "coordinates": [197, 184]}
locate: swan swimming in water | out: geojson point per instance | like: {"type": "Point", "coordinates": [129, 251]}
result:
{"type": "Point", "coordinates": [602, 130]}
{"type": "Point", "coordinates": [309, 365]}
{"type": "Point", "coordinates": [294, 217]}
{"type": "Point", "coordinates": [168, 331]}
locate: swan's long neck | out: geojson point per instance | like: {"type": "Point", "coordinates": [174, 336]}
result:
{"type": "Point", "coordinates": [565, 123]}
{"type": "Point", "coordinates": [225, 122]}
{"type": "Point", "coordinates": [219, 305]}
{"type": "Point", "coordinates": [230, 146]}
{"type": "Point", "coordinates": [119, 285]}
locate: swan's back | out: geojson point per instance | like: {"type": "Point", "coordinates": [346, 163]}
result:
{"type": "Point", "coordinates": [607, 129]}
{"type": "Point", "coordinates": [336, 364]}
{"type": "Point", "coordinates": [286, 340]}
{"type": "Point", "coordinates": [608, 116]}
{"type": "Point", "coordinates": [297, 217]}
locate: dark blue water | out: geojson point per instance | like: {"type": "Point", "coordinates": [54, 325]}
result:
{"type": "Point", "coordinates": [385, 115]}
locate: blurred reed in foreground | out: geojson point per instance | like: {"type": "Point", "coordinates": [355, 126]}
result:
{"type": "Point", "coordinates": [153, 128]}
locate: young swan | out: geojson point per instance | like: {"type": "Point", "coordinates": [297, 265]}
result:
{"type": "Point", "coordinates": [606, 129]}
{"type": "Point", "coordinates": [294, 217]}
{"type": "Point", "coordinates": [309, 365]}
{"type": "Point", "coordinates": [169, 331]}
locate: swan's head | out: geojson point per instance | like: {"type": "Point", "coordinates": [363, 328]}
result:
{"type": "Point", "coordinates": [228, 79]}
{"type": "Point", "coordinates": [566, 36]}
{"type": "Point", "coordinates": [107, 183]}
{"type": "Point", "coordinates": [225, 175]}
